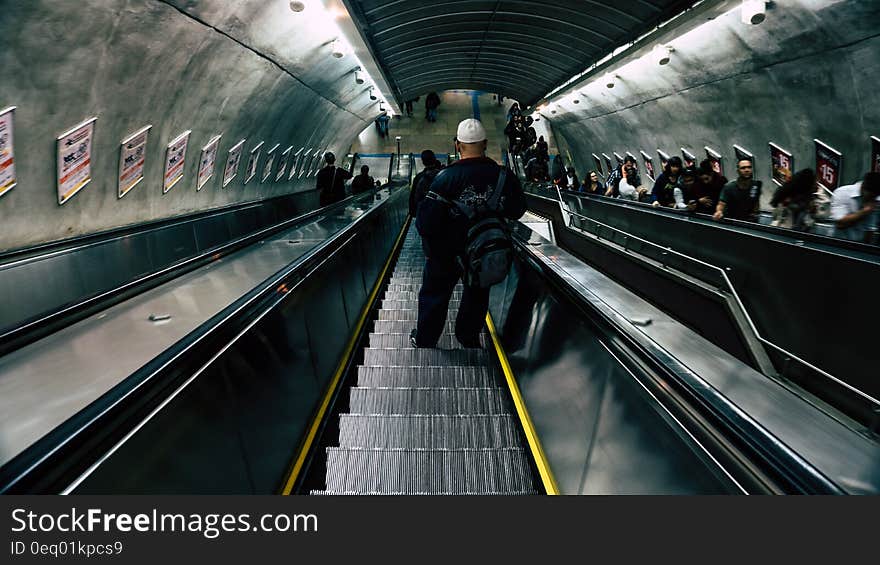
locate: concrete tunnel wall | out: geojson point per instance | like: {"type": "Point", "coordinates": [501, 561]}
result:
{"type": "Point", "coordinates": [810, 70]}
{"type": "Point", "coordinates": [246, 69]}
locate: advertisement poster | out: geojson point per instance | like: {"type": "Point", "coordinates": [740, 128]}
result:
{"type": "Point", "coordinates": [688, 158]}
{"type": "Point", "coordinates": [132, 156]}
{"type": "Point", "coordinates": [233, 159]}
{"type": "Point", "coordinates": [282, 165]}
{"type": "Point", "coordinates": [618, 158]}
{"type": "Point", "coordinates": [319, 162]}
{"type": "Point", "coordinates": [649, 166]}
{"type": "Point", "coordinates": [308, 163]}
{"type": "Point", "coordinates": [253, 159]}
{"type": "Point", "coordinates": [608, 164]}
{"type": "Point", "coordinates": [715, 160]}
{"type": "Point", "coordinates": [297, 158]}
{"type": "Point", "coordinates": [664, 158]}
{"type": "Point", "coordinates": [175, 157]}
{"type": "Point", "coordinates": [7, 161]}
{"type": "Point", "coordinates": [75, 159]}
{"type": "Point", "coordinates": [829, 165]}
{"type": "Point", "coordinates": [875, 156]}
{"type": "Point", "coordinates": [270, 163]}
{"type": "Point", "coordinates": [781, 164]}
{"type": "Point", "coordinates": [743, 154]}
{"type": "Point", "coordinates": [207, 161]}
{"type": "Point", "coordinates": [598, 164]}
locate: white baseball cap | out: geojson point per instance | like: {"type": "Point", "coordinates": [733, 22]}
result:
{"type": "Point", "coordinates": [470, 131]}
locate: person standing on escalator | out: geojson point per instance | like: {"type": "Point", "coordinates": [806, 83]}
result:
{"type": "Point", "coordinates": [444, 230]}
{"type": "Point", "coordinates": [330, 181]}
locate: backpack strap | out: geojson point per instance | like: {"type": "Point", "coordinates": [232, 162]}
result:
{"type": "Point", "coordinates": [495, 197]}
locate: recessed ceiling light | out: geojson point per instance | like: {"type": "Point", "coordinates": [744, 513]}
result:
{"type": "Point", "coordinates": [297, 6]}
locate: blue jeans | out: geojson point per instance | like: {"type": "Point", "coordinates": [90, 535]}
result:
{"type": "Point", "coordinates": [432, 115]}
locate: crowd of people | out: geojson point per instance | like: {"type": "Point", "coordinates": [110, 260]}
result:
{"type": "Point", "coordinates": [797, 204]}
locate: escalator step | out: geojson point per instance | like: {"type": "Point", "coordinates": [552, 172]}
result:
{"type": "Point", "coordinates": [405, 326]}
{"type": "Point", "coordinates": [390, 357]}
{"type": "Point", "coordinates": [388, 304]}
{"type": "Point", "coordinates": [427, 432]}
{"type": "Point", "coordinates": [386, 340]}
{"type": "Point", "coordinates": [412, 295]}
{"type": "Point", "coordinates": [452, 401]}
{"type": "Point", "coordinates": [409, 471]}
{"type": "Point", "coordinates": [441, 377]}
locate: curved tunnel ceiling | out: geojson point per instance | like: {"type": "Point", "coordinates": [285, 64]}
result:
{"type": "Point", "coordinates": [520, 48]}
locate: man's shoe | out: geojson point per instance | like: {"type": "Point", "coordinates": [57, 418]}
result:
{"type": "Point", "coordinates": [412, 339]}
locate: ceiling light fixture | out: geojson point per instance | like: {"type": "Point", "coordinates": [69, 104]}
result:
{"type": "Point", "coordinates": [661, 54]}
{"type": "Point", "coordinates": [338, 51]}
{"type": "Point", "coordinates": [297, 6]}
{"type": "Point", "coordinates": [359, 76]}
{"type": "Point", "coordinates": [372, 95]}
{"type": "Point", "coordinates": [753, 11]}
{"type": "Point", "coordinates": [609, 80]}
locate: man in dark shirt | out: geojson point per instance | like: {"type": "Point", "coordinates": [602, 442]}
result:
{"type": "Point", "coordinates": [363, 181]}
{"type": "Point", "coordinates": [706, 190]}
{"type": "Point", "coordinates": [444, 232]}
{"type": "Point", "coordinates": [422, 182]}
{"type": "Point", "coordinates": [331, 181]}
{"type": "Point", "coordinates": [740, 199]}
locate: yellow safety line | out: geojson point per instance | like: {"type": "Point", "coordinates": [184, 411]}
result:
{"type": "Point", "coordinates": [319, 417]}
{"type": "Point", "coordinates": [531, 435]}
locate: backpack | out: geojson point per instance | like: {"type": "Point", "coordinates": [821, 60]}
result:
{"type": "Point", "coordinates": [488, 250]}
{"type": "Point", "coordinates": [420, 188]}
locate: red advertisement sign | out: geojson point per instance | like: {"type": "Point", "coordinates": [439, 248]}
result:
{"type": "Point", "coordinates": [715, 160]}
{"type": "Point", "coordinates": [781, 164]}
{"type": "Point", "coordinates": [875, 154]}
{"type": "Point", "coordinates": [829, 165]}
{"type": "Point", "coordinates": [649, 165]}
{"type": "Point", "coordinates": [689, 159]}
{"type": "Point", "coordinates": [598, 163]}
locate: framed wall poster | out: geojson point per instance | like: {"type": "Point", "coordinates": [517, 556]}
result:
{"type": "Point", "coordinates": [781, 164]}
{"type": "Point", "coordinates": [132, 156]}
{"type": "Point", "coordinates": [689, 159]}
{"type": "Point", "coordinates": [233, 159]}
{"type": "Point", "coordinates": [270, 163]}
{"type": "Point", "coordinates": [253, 159]}
{"type": "Point", "coordinates": [742, 153]}
{"type": "Point", "coordinates": [319, 162]}
{"type": "Point", "coordinates": [598, 163]}
{"type": "Point", "coordinates": [207, 161]}
{"type": "Point", "coordinates": [617, 157]}
{"type": "Point", "coordinates": [608, 164]}
{"type": "Point", "coordinates": [297, 157]}
{"type": "Point", "coordinates": [74, 159]}
{"type": "Point", "coordinates": [307, 163]}
{"type": "Point", "coordinates": [175, 157]}
{"type": "Point", "coordinates": [664, 158]}
{"type": "Point", "coordinates": [875, 157]}
{"type": "Point", "coordinates": [829, 165]}
{"type": "Point", "coordinates": [7, 154]}
{"type": "Point", "coordinates": [715, 159]}
{"type": "Point", "coordinates": [649, 166]}
{"type": "Point", "coordinates": [282, 164]}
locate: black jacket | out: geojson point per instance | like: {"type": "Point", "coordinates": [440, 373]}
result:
{"type": "Point", "coordinates": [331, 183]}
{"type": "Point", "coordinates": [362, 183]}
{"type": "Point", "coordinates": [444, 228]}
{"type": "Point", "coordinates": [420, 186]}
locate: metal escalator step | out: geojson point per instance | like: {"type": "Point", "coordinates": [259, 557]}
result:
{"type": "Point", "coordinates": [405, 326]}
{"type": "Point", "coordinates": [425, 377]}
{"type": "Point", "coordinates": [410, 314]}
{"type": "Point", "coordinates": [427, 432]}
{"type": "Point", "coordinates": [388, 304]}
{"type": "Point", "coordinates": [414, 471]}
{"type": "Point", "coordinates": [386, 340]}
{"type": "Point", "coordinates": [451, 401]}
{"type": "Point", "coordinates": [328, 493]}
{"type": "Point", "coordinates": [412, 295]}
{"type": "Point", "coordinates": [390, 357]}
